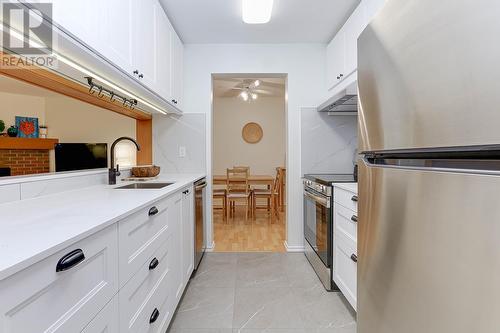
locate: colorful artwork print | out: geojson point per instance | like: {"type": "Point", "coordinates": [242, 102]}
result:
{"type": "Point", "coordinates": [27, 127]}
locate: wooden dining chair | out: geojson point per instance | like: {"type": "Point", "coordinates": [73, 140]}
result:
{"type": "Point", "coordinates": [271, 195]}
{"type": "Point", "coordinates": [238, 191]}
{"type": "Point", "coordinates": [281, 172]}
{"type": "Point", "coordinates": [221, 194]}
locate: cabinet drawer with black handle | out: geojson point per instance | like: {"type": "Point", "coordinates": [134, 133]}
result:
{"type": "Point", "coordinates": [346, 198]}
{"type": "Point", "coordinates": [145, 300]}
{"type": "Point", "coordinates": [141, 234]}
{"type": "Point", "coordinates": [63, 292]}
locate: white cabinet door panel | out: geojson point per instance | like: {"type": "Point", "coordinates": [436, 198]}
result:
{"type": "Point", "coordinates": [345, 273]}
{"type": "Point", "coordinates": [140, 235]}
{"type": "Point", "coordinates": [139, 289]}
{"type": "Point", "coordinates": [352, 29]}
{"type": "Point", "coordinates": [82, 18]}
{"type": "Point", "coordinates": [164, 35]}
{"type": "Point", "coordinates": [177, 69]}
{"type": "Point", "coordinates": [39, 299]}
{"type": "Point", "coordinates": [187, 234]}
{"type": "Point", "coordinates": [117, 32]}
{"type": "Point", "coordinates": [144, 37]}
{"type": "Point", "coordinates": [335, 60]}
{"type": "Point", "coordinates": [107, 321]}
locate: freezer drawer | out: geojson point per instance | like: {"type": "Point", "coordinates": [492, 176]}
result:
{"type": "Point", "coordinates": [428, 248]}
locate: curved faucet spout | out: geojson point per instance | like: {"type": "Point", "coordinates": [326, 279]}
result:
{"type": "Point", "coordinates": [112, 171]}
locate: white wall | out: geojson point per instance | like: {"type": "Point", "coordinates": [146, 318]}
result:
{"type": "Point", "coordinates": [304, 65]}
{"type": "Point", "coordinates": [229, 148]}
{"type": "Point", "coordinates": [21, 105]}
{"type": "Point", "coordinates": [71, 120]}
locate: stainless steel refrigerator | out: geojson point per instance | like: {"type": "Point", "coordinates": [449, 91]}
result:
{"type": "Point", "coordinates": [429, 183]}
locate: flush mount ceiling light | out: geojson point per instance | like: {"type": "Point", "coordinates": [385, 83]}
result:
{"type": "Point", "coordinates": [257, 11]}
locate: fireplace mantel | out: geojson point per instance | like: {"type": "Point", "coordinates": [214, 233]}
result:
{"type": "Point", "coordinates": [24, 143]}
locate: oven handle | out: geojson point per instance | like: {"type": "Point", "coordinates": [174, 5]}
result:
{"type": "Point", "coordinates": [321, 200]}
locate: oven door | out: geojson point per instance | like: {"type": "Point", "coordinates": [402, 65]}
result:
{"type": "Point", "coordinates": [318, 224]}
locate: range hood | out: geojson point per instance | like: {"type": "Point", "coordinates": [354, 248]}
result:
{"type": "Point", "coordinates": [344, 103]}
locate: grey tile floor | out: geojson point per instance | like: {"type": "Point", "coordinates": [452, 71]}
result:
{"type": "Point", "coordinates": [260, 293]}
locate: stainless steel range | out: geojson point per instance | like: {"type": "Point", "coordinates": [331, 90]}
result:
{"type": "Point", "coordinates": [318, 223]}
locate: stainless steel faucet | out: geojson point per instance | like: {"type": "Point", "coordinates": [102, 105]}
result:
{"type": "Point", "coordinates": [113, 172]}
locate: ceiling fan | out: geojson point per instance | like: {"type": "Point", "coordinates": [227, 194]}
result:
{"type": "Point", "coordinates": [250, 89]}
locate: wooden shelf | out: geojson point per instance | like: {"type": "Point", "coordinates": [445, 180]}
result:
{"type": "Point", "coordinates": [25, 143]}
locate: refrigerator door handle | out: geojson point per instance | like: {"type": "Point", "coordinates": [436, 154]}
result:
{"type": "Point", "coordinates": [437, 164]}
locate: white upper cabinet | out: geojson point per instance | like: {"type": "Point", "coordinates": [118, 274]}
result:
{"type": "Point", "coordinates": [164, 51]}
{"type": "Point", "coordinates": [81, 19]}
{"type": "Point", "coordinates": [342, 51]}
{"type": "Point", "coordinates": [335, 65]}
{"type": "Point", "coordinates": [135, 35]}
{"type": "Point", "coordinates": [352, 29]}
{"type": "Point", "coordinates": [145, 44]}
{"type": "Point", "coordinates": [177, 69]}
{"type": "Point", "coordinates": [117, 32]}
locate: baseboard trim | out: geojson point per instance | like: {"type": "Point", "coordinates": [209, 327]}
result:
{"type": "Point", "coordinates": [290, 248]}
{"type": "Point", "coordinates": [210, 248]}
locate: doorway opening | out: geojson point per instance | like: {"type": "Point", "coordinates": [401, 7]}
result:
{"type": "Point", "coordinates": [249, 149]}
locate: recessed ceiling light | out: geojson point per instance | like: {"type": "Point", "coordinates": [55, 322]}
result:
{"type": "Point", "coordinates": [257, 11]}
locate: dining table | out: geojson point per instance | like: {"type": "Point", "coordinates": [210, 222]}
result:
{"type": "Point", "coordinates": [266, 180]}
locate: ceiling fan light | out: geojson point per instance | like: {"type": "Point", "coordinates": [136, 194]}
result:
{"type": "Point", "coordinates": [256, 83]}
{"type": "Point", "coordinates": [254, 96]}
{"type": "Point", "coordinates": [257, 11]}
{"type": "Point", "coordinates": [244, 95]}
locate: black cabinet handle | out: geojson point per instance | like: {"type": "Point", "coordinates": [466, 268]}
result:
{"type": "Point", "coordinates": [354, 198]}
{"type": "Point", "coordinates": [338, 77]}
{"type": "Point", "coordinates": [154, 316]}
{"type": "Point", "coordinates": [141, 76]}
{"type": "Point", "coordinates": [70, 260]}
{"type": "Point", "coordinates": [153, 211]}
{"type": "Point", "coordinates": [136, 72]}
{"type": "Point", "coordinates": [174, 101]}
{"type": "Point", "coordinates": [153, 264]}
{"type": "Point", "coordinates": [354, 257]}
{"type": "Point", "coordinates": [354, 218]}
{"type": "Point", "coordinates": [341, 75]}
{"type": "Point", "coordinates": [185, 192]}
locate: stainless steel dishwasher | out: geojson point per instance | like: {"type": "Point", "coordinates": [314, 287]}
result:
{"type": "Point", "coordinates": [200, 189]}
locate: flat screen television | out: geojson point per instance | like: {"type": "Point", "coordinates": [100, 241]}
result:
{"type": "Point", "coordinates": [81, 156]}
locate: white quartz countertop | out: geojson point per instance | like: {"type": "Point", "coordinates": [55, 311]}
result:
{"type": "Point", "coordinates": [33, 229]}
{"type": "Point", "coordinates": [351, 187]}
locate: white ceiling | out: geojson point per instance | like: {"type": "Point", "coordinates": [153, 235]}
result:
{"type": "Point", "coordinates": [292, 21]}
{"type": "Point", "coordinates": [232, 86]}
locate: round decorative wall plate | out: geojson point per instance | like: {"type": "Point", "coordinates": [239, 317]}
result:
{"type": "Point", "coordinates": [252, 133]}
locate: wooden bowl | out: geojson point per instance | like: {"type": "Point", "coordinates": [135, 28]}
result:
{"type": "Point", "coordinates": [145, 171]}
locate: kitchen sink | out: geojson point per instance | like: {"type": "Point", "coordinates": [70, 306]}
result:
{"type": "Point", "coordinates": [143, 186]}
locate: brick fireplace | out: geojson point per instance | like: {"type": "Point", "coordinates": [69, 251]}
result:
{"type": "Point", "coordinates": [25, 161]}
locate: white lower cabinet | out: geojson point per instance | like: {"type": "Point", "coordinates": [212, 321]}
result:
{"type": "Point", "coordinates": [345, 254]}
{"type": "Point", "coordinates": [345, 273]}
{"type": "Point", "coordinates": [128, 277]}
{"type": "Point", "coordinates": [187, 233]}
{"type": "Point", "coordinates": [42, 299]}
{"type": "Point", "coordinates": [107, 321]}
{"type": "Point", "coordinates": [139, 304]}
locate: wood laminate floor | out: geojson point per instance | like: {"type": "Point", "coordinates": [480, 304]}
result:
{"type": "Point", "coordinates": [255, 235]}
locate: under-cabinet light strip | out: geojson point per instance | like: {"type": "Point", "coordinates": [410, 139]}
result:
{"type": "Point", "coordinates": [71, 63]}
